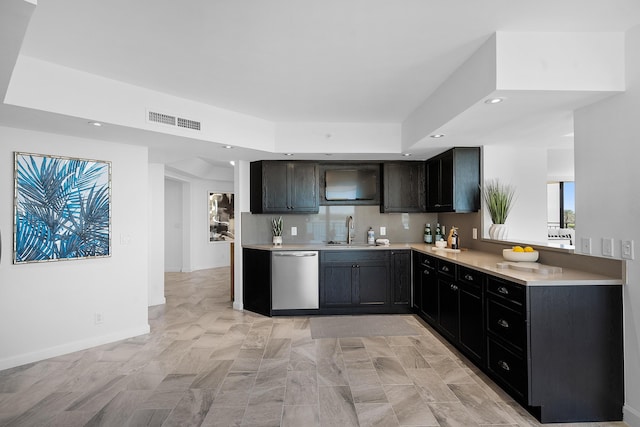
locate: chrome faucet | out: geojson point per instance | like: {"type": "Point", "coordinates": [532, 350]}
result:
{"type": "Point", "coordinates": [349, 228]}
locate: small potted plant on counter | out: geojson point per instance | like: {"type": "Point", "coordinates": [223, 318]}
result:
{"type": "Point", "coordinates": [276, 230]}
{"type": "Point", "coordinates": [499, 199]}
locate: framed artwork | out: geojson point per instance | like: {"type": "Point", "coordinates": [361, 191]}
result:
{"type": "Point", "coordinates": [221, 221]}
{"type": "Point", "coordinates": [62, 208]}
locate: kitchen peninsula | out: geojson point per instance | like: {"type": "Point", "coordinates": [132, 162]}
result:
{"type": "Point", "coordinates": [552, 341]}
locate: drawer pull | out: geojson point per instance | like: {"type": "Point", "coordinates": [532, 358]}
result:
{"type": "Point", "coordinates": [445, 268]}
{"type": "Point", "coordinates": [468, 277]}
{"type": "Point", "coordinates": [453, 287]}
{"type": "Point", "coordinates": [503, 323]}
{"type": "Point", "coordinates": [504, 365]}
{"type": "Point", "coordinates": [503, 290]}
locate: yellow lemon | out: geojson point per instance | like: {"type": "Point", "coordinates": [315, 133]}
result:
{"type": "Point", "coordinates": [528, 249]}
{"type": "Point", "coordinates": [518, 249]}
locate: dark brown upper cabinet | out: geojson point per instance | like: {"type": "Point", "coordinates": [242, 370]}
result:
{"type": "Point", "coordinates": [453, 181]}
{"type": "Point", "coordinates": [403, 186]}
{"type": "Point", "coordinates": [280, 186]}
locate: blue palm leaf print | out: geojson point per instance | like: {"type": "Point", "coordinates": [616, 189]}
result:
{"type": "Point", "coordinates": [62, 208]}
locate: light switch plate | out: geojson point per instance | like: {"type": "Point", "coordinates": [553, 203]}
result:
{"type": "Point", "coordinates": [475, 233]}
{"type": "Point", "coordinates": [607, 246]}
{"type": "Point", "coordinates": [294, 231]}
{"type": "Point", "coordinates": [383, 231]}
{"type": "Point", "coordinates": [585, 245]}
{"type": "Point", "coordinates": [627, 249]}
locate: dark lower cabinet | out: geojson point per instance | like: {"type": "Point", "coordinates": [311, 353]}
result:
{"type": "Point", "coordinates": [400, 280]}
{"type": "Point", "coordinates": [363, 281]}
{"type": "Point", "coordinates": [449, 313]}
{"type": "Point", "coordinates": [471, 338]}
{"type": "Point", "coordinates": [256, 281]}
{"type": "Point", "coordinates": [557, 350]}
{"type": "Point", "coordinates": [425, 288]}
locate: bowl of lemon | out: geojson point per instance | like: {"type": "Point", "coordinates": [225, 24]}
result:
{"type": "Point", "coordinates": [520, 254]}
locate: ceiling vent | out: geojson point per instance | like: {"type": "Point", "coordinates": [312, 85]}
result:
{"type": "Point", "coordinates": [167, 119]}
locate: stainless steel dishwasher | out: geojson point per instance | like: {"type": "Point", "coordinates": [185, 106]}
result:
{"type": "Point", "coordinates": [294, 280]}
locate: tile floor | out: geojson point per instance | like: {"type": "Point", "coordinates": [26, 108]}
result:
{"type": "Point", "coordinates": [204, 364]}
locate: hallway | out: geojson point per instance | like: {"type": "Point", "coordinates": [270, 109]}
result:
{"type": "Point", "coordinates": [205, 364]}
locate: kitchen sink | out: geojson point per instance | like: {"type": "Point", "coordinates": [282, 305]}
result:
{"type": "Point", "coordinates": [347, 245]}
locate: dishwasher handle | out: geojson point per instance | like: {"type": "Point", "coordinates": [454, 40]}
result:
{"type": "Point", "coordinates": [295, 254]}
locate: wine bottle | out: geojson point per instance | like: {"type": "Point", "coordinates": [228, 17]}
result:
{"type": "Point", "coordinates": [428, 237]}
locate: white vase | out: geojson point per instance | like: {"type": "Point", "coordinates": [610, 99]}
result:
{"type": "Point", "coordinates": [277, 240]}
{"type": "Point", "coordinates": [498, 231]}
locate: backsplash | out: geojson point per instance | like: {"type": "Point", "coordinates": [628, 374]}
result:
{"type": "Point", "coordinates": [331, 224]}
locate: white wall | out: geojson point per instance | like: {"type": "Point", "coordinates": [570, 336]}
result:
{"type": "Point", "coordinates": [187, 245]}
{"type": "Point", "coordinates": [173, 225]}
{"type": "Point", "coordinates": [156, 234]}
{"type": "Point", "coordinates": [525, 169]}
{"type": "Point", "coordinates": [48, 309]}
{"type": "Point", "coordinates": [204, 253]}
{"type": "Point", "coordinates": [608, 198]}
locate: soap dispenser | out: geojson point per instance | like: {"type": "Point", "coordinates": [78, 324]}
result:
{"type": "Point", "coordinates": [371, 236]}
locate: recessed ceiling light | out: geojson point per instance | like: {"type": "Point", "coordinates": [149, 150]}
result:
{"type": "Point", "coordinates": [437, 135]}
{"type": "Point", "coordinates": [288, 154]}
{"type": "Point", "coordinates": [96, 124]}
{"type": "Point", "coordinates": [494, 100]}
{"type": "Point", "coordinates": [228, 147]}
{"type": "Point", "coordinates": [406, 154]}
{"type": "Point", "coordinates": [232, 162]}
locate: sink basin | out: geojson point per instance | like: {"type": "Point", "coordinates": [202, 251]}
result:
{"type": "Point", "coordinates": [347, 245]}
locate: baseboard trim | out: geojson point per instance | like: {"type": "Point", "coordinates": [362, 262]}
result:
{"type": "Point", "coordinates": [631, 416]}
{"type": "Point", "coordinates": [160, 301]}
{"type": "Point", "coordinates": [46, 353]}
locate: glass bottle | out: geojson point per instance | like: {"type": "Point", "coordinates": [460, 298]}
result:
{"type": "Point", "coordinates": [428, 237]}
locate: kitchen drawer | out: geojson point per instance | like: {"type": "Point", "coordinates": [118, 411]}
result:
{"type": "Point", "coordinates": [427, 261]}
{"type": "Point", "coordinates": [350, 255]}
{"type": "Point", "coordinates": [507, 324]}
{"type": "Point", "coordinates": [511, 368]}
{"type": "Point", "coordinates": [469, 275]}
{"type": "Point", "coordinates": [447, 268]}
{"type": "Point", "coordinates": [507, 290]}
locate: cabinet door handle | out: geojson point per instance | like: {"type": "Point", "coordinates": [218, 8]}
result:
{"type": "Point", "coordinates": [503, 323]}
{"type": "Point", "coordinates": [468, 277]}
{"type": "Point", "coordinates": [453, 287]}
{"type": "Point", "coordinates": [504, 365]}
{"type": "Point", "coordinates": [426, 272]}
{"type": "Point", "coordinates": [503, 290]}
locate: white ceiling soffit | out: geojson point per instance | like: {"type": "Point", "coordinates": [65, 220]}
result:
{"type": "Point", "coordinates": [542, 79]}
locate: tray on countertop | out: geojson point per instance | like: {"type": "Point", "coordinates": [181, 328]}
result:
{"type": "Point", "coordinates": [532, 267]}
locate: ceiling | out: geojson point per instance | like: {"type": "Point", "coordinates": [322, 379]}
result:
{"type": "Point", "coordinates": [365, 61]}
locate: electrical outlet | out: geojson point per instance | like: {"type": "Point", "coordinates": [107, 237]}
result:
{"type": "Point", "coordinates": [627, 249]}
{"type": "Point", "coordinates": [607, 246]}
{"type": "Point", "coordinates": [98, 318]}
{"type": "Point", "coordinates": [383, 231]}
{"type": "Point", "coordinates": [585, 245]}
{"type": "Point", "coordinates": [294, 231]}
{"type": "Point", "coordinates": [475, 233]}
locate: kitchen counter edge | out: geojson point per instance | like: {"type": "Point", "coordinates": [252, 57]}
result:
{"type": "Point", "coordinates": [480, 261]}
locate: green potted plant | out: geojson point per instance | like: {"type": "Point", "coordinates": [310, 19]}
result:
{"type": "Point", "coordinates": [276, 230]}
{"type": "Point", "coordinates": [498, 198]}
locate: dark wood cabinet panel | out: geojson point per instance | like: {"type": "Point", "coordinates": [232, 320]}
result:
{"type": "Point", "coordinates": [404, 187]}
{"type": "Point", "coordinates": [336, 285]}
{"type": "Point", "coordinates": [471, 320]}
{"type": "Point", "coordinates": [372, 284]}
{"type": "Point", "coordinates": [284, 187]}
{"type": "Point", "coordinates": [357, 280]}
{"type": "Point", "coordinates": [453, 181]}
{"type": "Point", "coordinates": [401, 278]}
{"type": "Point", "coordinates": [256, 281]}
{"type": "Point", "coordinates": [449, 312]}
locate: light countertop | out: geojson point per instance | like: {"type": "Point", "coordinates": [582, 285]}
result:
{"type": "Point", "coordinates": [481, 261]}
